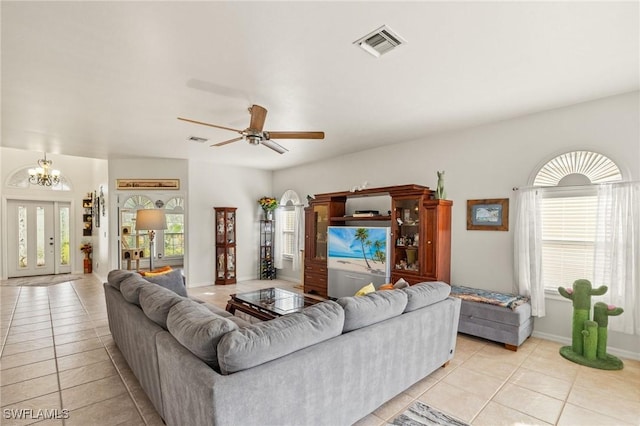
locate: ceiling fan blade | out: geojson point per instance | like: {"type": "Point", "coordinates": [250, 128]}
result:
{"type": "Point", "coordinates": [209, 124]}
{"type": "Point", "coordinates": [295, 135]}
{"type": "Point", "coordinates": [226, 142]}
{"type": "Point", "coordinates": [258, 115]}
{"type": "Point", "coordinates": [274, 146]}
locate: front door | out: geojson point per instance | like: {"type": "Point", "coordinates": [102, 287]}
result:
{"type": "Point", "coordinates": [38, 238]}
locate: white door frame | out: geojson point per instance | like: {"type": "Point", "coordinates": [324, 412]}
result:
{"type": "Point", "coordinates": [73, 234]}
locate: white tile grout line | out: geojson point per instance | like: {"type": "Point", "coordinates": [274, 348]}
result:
{"type": "Point", "coordinates": [13, 312]}
{"type": "Point", "coordinates": [55, 355]}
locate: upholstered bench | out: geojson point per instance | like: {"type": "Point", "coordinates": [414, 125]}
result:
{"type": "Point", "coordinates": [509, 322]}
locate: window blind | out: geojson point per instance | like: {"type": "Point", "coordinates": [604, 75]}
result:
{"type": "Point", "coordinates": [568, 235]}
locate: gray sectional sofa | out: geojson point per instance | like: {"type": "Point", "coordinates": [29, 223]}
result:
{"type": "Point", "coordinates": [331, 364]}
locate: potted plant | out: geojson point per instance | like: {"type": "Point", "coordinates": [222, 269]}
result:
{"type": "Point", "coordinates": [87, 249]}
{"type": "Point", "coordinates": [268, 205]}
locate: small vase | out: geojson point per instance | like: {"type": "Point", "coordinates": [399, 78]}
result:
{"type": "Point", "coordinates": [268, 215]}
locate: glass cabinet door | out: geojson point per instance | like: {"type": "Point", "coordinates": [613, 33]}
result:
{"type": "Point", "coordinates": [231, 227]}
{"type": "Point", "coordinates": [321, 218]}
{"type": "Point", "coordinates": [406, 233]}
{"type": "Point", "coordinates": [220, 227]}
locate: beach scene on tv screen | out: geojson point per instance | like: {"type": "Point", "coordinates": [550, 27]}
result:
{"type": "Point", "coordinates": [358, 249]}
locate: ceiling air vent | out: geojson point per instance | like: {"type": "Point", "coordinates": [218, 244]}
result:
{"type": "Point", "coordinates": [380, 41]}
{"type": "Point", "coordinates": [197, 139]}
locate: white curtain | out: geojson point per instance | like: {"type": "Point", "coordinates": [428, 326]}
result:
{"type": "Point", "coordinates": [528, 248]}
{"type": "Point", "coordinates": [617, 252]}
{"type": "Point", "coordinates": [277, 238]}
{"type": "Point", "coordinates": [289, 198]}
{"type": "Point", "coordinates": [298, 236]}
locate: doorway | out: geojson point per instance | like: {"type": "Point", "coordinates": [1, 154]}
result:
{"type": "Point", "coordinates": [38, 238]}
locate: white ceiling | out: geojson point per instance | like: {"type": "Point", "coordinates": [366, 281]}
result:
{"type": "Point", "coordinates": [108, 79]}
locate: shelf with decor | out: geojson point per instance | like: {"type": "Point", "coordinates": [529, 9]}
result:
{"type": "Point", "coordinates": [87, 217]}
{"type": "Point", "coordinates": [420, 232]}
{"type": "Point", "coordinates": [267, 269]}
{"type": "Point", "coordinates": [360, 218]}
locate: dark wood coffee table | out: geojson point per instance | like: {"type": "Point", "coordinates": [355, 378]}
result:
{"type": "Point", "coordinates": [269, 303]}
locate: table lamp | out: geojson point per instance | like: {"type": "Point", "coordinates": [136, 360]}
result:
{"type": "Point", "coordinates": [151, 220]}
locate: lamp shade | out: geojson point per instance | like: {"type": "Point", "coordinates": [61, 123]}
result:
{"type": "Point", "coordinates": [150, 220]}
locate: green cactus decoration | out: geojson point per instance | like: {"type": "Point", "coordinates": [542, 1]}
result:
{"type": "Point", "coordinates": [601, 314]}
{"type": "Point", "coordinates": [589, 338]}
{"type": "Point", "coordinates": [590, 334]}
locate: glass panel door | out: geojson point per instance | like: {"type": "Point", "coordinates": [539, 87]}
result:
{"type": "Point", "coordinates": [31, 238]}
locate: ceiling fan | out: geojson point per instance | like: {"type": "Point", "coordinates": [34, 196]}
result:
{"type": "Point", "coordinates": [256, 136]}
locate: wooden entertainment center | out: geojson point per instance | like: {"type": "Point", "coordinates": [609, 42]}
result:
{"type": "Point", "coordinates": [420, 233]}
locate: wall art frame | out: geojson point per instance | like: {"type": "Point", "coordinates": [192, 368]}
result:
{"type": "Point", "coordinates": [151, 184]}
{"type": "Point", "coordinates": [488, 214]}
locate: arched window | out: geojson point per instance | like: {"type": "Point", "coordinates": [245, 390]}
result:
{"type": "Point", "coordinates": [129, 236]}
{"type": "Point", "coordinates": [569, 214]}
{"type": "Point", "coordinates": [578, 168]}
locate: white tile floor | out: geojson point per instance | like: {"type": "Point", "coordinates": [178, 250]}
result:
{"type": "Point", "coordinates": [57, 354]}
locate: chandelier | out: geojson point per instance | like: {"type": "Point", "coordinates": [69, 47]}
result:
{"type": "Point", "coordinates": [44, 175]}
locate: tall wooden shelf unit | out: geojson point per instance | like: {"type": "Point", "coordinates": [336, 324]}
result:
{"type": "Point", "coordinates": [420, 234]}
{"type": "Point", "coordinates": [87, 217]}
{"type": "Point", "coordinates": [225, 245]}
{"type": "Point", "coordinates": [267, 269]}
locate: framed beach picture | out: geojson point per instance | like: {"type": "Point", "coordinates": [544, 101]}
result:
{"type": "Point", "coordinates": [147, 184]}
{"type": "Point", "coordinates": [488, 215]}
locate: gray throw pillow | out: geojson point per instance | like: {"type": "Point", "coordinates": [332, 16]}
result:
{"type": "Point", "coordinates": [361, 311]}
{"type": "Point", "coordinates": [425, 294]}
{"type": "Point", "coordinates": [198, 329]}
{"type": "Point", "coordinates": [156, 301]}
{"type": "Point", "coordinates": [262, 342]}
{"type": "Point", "coordinates": [116, 277]}
{"type": "Point", "coordinates": [173, 281]}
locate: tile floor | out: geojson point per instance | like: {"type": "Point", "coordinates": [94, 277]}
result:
{"type": "Point", "coordinates": [57, 354]}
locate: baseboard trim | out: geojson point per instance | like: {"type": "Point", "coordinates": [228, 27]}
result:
{"type": "Point", "coordinates": [566, 341]}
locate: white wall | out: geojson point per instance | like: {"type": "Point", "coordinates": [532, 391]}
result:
{"type": "Point", "coordinates": [84, 174]}
{"type": "Point", "coordinates": [213, 185]}
{"type": "Point", "coordinates": [486, 162]}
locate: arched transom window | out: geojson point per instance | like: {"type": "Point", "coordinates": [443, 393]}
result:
{"type": "Point", "coordinates": [578, 168]}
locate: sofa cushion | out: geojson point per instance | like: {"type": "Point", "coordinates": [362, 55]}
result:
{"type": "Point", "coordinates": [116, 277]}
{"type": "Point", "coordinates": [198, 329]}
{"type": "Point", "coordinates": [172, 280]}
{"type": "Point", "coordinates": [361, 311]}
{"type": "Point", "coordinates": [156, 301]}
{"type": "Point", "coordinates": [262, 342]}
{"type": "Point", "coordinates": [130, 288]}
{"type": "Point", "coordinates": [425, 294]}
{"type": "Point", "coordinates": [215, 309]}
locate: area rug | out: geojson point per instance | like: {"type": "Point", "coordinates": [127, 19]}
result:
{"type": "Point", "coordinates": [40, 281]}
{"type": "Point", "coordinates": [420, 414]}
